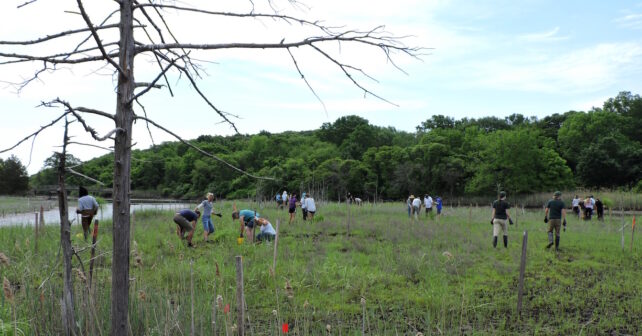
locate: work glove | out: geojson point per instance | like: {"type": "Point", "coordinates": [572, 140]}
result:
{"type": "Point", "coordinates": [491, 221]}
{"type": "Point", "coordinates": [545, 219]}
{"type": "Point", "coordinates": [241, 235]}
{"type": "Point", "coordinates": [510, 221]}
{"type": "Point", "coordinates": [564, 223]}
{"type": "Point", "coordinates": [218, 214]}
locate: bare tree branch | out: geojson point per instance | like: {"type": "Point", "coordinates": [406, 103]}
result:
{"type": "Point", "coordinates": [34, 134]}
{"type": "Point", "coordinates": [26, 3]}
{"type": "Point", "coordinates": [306, 81]}
{"type": "Point", "coordinates": [98, 41]}
{"type": "Point", "coordinates": [84, 176]}
{"type": "Point", "coordinates": [90, 145]}
{"type": "Point", "coordinates": [146, 123]}
{"type": "Point", "coordinates": [151, 85]}
{"type": "Point", "coordinates": [87, 128]}
{"type": "Point", "coordinates": [57, 35]}
{"type": "Point", "coordinates": [189, 144]}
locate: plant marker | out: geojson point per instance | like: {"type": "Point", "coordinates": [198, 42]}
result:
{"type": "Point", "coordinates": [285, 328]}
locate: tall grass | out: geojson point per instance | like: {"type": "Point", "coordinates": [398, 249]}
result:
{"type": "Point", "coordinates": [388, 275]}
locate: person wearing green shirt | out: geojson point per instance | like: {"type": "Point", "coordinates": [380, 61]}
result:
{"type": "Point", "coordinates": [554, 215]}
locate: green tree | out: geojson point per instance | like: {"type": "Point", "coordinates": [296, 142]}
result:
{"type": "Point", "coordinates": [13, 176]}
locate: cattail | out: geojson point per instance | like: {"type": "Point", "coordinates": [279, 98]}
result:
{"type": "Point", "coordinates": [6, 287]}
{"type": "Point", "coordinates": [274, 312]}
{"type": "Point", "coordinates": [288, 290]}
{"type": "Point", "coordinates": [363, 301]}
{"type": "Point", "coordinates": [141, 295]}
{"type": "Point", "coordinates": [447, 255]}
{"type": "Point", "coordinates": [218, 273]}
{"type": "Point", "coordinates": [4, 259]}
{"type": "Point", "coordinates": [328, 328]}
{"type": "Point", "coordinates": [81, 275]}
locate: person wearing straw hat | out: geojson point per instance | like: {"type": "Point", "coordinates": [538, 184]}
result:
{"type": "Point", "coordinates": [409, 204]}
{"type": "Point", "coordinates": [500, 217]}
{"type": "Point", "coordinates": [87, 208]}
{"type": "Point", "coordinates": [208, 225]}
{"type": "Point", "coordinates": [554, 215]}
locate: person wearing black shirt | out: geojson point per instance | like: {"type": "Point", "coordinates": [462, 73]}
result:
{"type": "Point", "coordinates": [500, 217]}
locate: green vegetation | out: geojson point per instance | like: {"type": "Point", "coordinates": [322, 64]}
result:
{"type": "Point", "coordinates": [438, 276]}
{"type": "Point", "coordinates": [596, 149]}
{"type": "Point", "coordinates": [13, 205]}
{"type": "Point", "coordinates": [13, 176]}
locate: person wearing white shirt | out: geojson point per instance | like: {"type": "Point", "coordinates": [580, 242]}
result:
{"type": "Point", "coordinates": [428, 204]}
{"type": "Point", "coordinates": [416, 207]}
{"type": "Point", "coordinates": [576, 205]}
{"type": "Point", "coordinates": [267, 231]}
{"type": "Point", "coordinates": [310, 206]}
{"type": "Point", "coordinates": [304, 209]}
{"type": "Point", "coordinates": [588, 205]}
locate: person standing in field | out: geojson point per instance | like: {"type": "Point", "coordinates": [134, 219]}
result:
{"type": "Point", "coordinates": [304, 209]}
{"type": "Point", "coordinates": [310, 206]}
{"type": "Point", "coordinates": [284, 198]}
{"type": "Point", "coordinates": [576, 206]}
{"type": "Point", "coordinates": [247, 219]}
{"type": "Point", "coordinates": [428, 204]}
{"type": "Point", "coordinates": [500, 217]}
{"type": "Point", "coordinates": [279, 203]}
{"type": "Point", "coordinates": [439, 205]}
{"type": "Point", "coordinates": [208, 225]}
{"type": "Point", "coordinates": [554, 215]}
{"type": "Point", "coordinates": [409, 204]}
{"type": "Point", "coordinates": [599, 207]}
{"type": "Point", "coordinates": [589, 202]}
{"type": "Point", "coordinates": [186, 220]}
{"type": "Point", "coordinates": [292, 207]}
{"type": "Point", "coordinates": [416, 207]}
{"type": "Point", "coordinates": [87, 208]}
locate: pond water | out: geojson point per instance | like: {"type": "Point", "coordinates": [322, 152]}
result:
{"type": "Point", "coordinates": [53, 216]}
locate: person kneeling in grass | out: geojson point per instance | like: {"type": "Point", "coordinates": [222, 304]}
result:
{"type": "Point", "coordinates": [186, 220]}
{"type": "Point", "coordinates": [267, 231]}
{"type": "Point", "coordinates": [247, 219]}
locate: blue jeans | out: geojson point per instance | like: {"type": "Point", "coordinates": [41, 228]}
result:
{"type": "Point", "coordinates": [264, 236]}
{"type": "Point", "coordinates": [207, 224]}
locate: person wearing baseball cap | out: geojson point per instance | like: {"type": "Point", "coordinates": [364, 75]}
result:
{"type": "Point", "coordinates": [554, 215]}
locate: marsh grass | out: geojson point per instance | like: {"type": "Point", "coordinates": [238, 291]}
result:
{"type": "Point", "coordinates": [431, 276]}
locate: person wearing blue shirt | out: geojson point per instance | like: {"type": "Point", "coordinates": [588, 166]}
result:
{"type": "Point", "coordinates": [87, 208]}
{"type": "Point", "coordinates": [186, 220]}
{"type": "Point", "coordinates": [207, 205]}
{"type": "Point", "coordinates": [247, 219]}
{"type": "Point", "coordinates": [439, 205]}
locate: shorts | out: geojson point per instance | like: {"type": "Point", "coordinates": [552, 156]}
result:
{"type": "Point", "coordinates": [500, 225]}
{"type": "Point", "coordinates": [86, 216]}
{"type": "Point", "coordinates": [183, 223]}
{"type": "Point", "coordinates": [250, 223]}
{"type": "Point", "coordinates": [554, 224]}
{"type": "Point", "coordinates": [292, 210]}
{"type": "Point", "coordinates": [208, 225]}
{"type": "Point", "coordinates": [429, 209]}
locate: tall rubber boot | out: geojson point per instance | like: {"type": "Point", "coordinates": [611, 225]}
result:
{"type": "Point", "coordinates": [495, 241]}
{"type": "Point", "coordinates": [506, 241]}
{"type": "Point", "coordinates": [550, 240]}
{"type": "Point", "coordinates": [557, 243]}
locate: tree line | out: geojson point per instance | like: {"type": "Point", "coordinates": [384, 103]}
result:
{"type": "Point", "coordinates": [600, 148]}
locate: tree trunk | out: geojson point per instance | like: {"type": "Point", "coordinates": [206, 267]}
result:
{"type": "Point", "coordinates": [122, 169]}
{"type": "Point", "coordinates": [67, 302]}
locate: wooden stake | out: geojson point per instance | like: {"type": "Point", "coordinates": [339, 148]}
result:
{"type": "Point", "coordinates": [240, 296]}
{"type": "Point", "coordinates": [632, 233]}
{"type": "Point", "coordinates": [42, 217]}
{"type": "Point", "coordinates": [522, 268]}
{"type": "Point", "coordinates": [35, 231]}
{"type": "Point", "coordinates": [276, 244]}
{"type": "Point", "coordinates": [191, 286]}
{"type": "Point", "coordinates": [94, 237]}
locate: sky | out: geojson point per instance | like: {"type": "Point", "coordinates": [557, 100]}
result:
{"type": "Point", "coordinates": [481, 58]}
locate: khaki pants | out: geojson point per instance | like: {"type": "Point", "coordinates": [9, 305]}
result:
{"type": "Point", "coordinates": [500, 225]}
{"type": "Point", "coordinates": [554, 224]}
{"type": "Point", "coordinates": [86, 217]}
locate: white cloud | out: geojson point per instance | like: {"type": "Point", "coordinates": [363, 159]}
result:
{"type": "Point", "coordinates": [631, 21]}
{"type": "Point", "coordinates": [547, 36]}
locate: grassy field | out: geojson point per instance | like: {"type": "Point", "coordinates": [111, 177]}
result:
{"type": "Point", "coordinates": [12, 204]}
{"type": "Point", "coordinates": [360, 268]}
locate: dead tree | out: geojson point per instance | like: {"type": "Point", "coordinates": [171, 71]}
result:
{"type": "Point", "coordinates": [156, 40]}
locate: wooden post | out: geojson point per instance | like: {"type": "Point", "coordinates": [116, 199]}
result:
{"type": "Point", "coordinates": [131, 231]}
{"type": "Point", "coordinates": [276, 244]}
{"type": "Point", "coordinates": [240, 296]}
{"type": "Point", "coordinates": [42, 217]}
{"type": "Point", "coordinates": [622, 216]}
{"type": "Point", "coordinates": [522, 268]}
{"type": "Point", "coordinates": [35, 231]}
{"type": "Point", "coordinates": [94, 237]}
{"type": "Point", "coordinates": [191, 285]}
{"type": "Point", "coordinates": [632, 233]}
